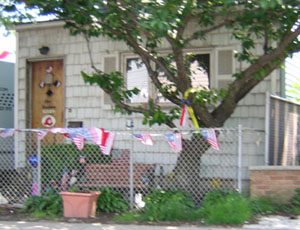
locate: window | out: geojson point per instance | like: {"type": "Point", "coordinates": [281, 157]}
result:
{"type": "Point", "coordinates": [212, 68]}
{"type": "Point", "coordinates": [200, 68]}
{"type": "Point", "coordinates": [200, 74]}
{"type": "Point", "coordinates": [137, 77]}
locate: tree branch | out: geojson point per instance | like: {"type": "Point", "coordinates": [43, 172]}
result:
{"type": "Point", "coordinates": [244, 85]}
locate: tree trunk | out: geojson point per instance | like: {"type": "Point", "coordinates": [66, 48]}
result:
{"type": "Point", "coordinates": [188, 168]}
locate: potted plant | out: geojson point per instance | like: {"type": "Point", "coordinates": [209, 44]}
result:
{"type": "Point", "coordinates": [79, 204]}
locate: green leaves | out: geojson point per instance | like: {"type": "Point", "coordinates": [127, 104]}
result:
{"type": "Point", "coordinates": [110, 201]}
{"type": "Point", "coordinates": [50, 204]}
{"type": "Point", "coordinates": [112, 83]}
{"type": "Point", "coordinates": [206, 97]}
{"type": "Point", "coordinates": [168, 205]}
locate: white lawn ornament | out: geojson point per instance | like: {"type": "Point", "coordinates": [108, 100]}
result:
{"type": "Point", "coordinates": [3, 200]}
{"type": "Point", "coordinates": [139, 203]}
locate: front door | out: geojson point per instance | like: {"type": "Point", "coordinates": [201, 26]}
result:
{"type": "Point", "coordinates": [47, 97]}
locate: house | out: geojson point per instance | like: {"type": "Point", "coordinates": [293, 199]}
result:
{"type": "Point", "coordinates": [50, 91]}
{"type": "Point", "coordinates": [6, 110]}
{"type": "Point", "coordinates": [7, 95]}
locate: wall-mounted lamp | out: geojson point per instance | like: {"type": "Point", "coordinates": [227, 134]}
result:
{"type": "Point", "coordinates": [44, 50]}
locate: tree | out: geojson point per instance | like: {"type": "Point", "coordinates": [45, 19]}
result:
{"type": "Point", "coordinates": [144, 25]}
{"type": "Point", "coordinates": [295, 89]}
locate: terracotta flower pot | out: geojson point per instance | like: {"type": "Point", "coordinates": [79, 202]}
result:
{"type": "Point", "coordinates": [79, 205]}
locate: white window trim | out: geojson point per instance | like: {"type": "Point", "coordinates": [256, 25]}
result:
{"type": "Point", "coordinates": [214, 76]}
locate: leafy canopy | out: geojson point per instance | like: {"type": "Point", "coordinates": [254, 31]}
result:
{"type": "Point", "coordinates": [146, 26]}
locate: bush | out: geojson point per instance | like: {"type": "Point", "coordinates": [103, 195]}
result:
{"type": "Point", "coordinates": [295, 202]}
{"type": "Point", "coordinates": [168, 206]}
{"type": "Point", "coordinates": [48, 205]}
{"type": "Point", "coordinates": [262, 205]}
{"type": "Point", "coordinates": [221, 207]}
{"type": "Point", "coordinates": [111, 201]}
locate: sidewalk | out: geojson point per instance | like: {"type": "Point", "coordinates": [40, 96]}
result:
{"type": "Point", "coordinates": [265, 223]}
{"type": "Point", "coordinates": [42, 225]}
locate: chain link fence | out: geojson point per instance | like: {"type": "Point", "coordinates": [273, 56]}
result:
{"type": "Point", "coordinates": [30, 166]}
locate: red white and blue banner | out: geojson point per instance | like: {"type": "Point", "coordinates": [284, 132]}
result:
{"type": "Point", "coordinates": [105, 139]}
{"type": "Point", "coordinates": [211, 137]}
{"type": "Point", "coordinates": [175, 141]}
{"type": "Point", "coordinates": [7, 133]}
{"type": "Point", "coordinates": [146, 139]}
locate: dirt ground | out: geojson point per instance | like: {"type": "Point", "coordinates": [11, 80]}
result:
{"type": "Point", "coordinates": [10, 213]}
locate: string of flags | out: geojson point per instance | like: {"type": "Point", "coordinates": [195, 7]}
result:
{"type": "Point", "coordinates": [105, 139]}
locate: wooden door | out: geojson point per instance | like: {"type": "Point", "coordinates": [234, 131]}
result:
{"type": "Point", "coordinates": [47, 97]}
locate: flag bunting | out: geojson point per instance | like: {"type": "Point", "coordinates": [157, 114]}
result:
{"type": "Point", "coordinates": [146, 139]}
{"type": "Point", "coordinates": [211, 137]}
{"type": "Point", "coordinates": [175, 141]}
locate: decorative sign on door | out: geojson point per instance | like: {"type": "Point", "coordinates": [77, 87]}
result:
{"type": "Point", "coordinates": [47, 94]}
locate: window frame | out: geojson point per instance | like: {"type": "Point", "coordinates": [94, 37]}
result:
{"type": "Point", "coordinates": [214, 77]}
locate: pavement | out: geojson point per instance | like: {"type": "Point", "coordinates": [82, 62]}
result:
{"type": "Point", "coordinates": [267, 223]}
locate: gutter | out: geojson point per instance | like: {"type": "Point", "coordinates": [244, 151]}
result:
{"type": "Point", "coordinates": [38, 25]}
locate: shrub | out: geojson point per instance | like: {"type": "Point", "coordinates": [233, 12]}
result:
{"type": "Point", "coordinates": [48, 205]}
{"type": "Point", "coordinates": [262, 205]}
{"type": "Point", "coordinates": [168, 206]}
{"type": "Point", "coordinates": [295, 202]}
{"type": "Point", "coordinates": [221, 207]}
{"type": "Point", "coordinates": [111, 201]}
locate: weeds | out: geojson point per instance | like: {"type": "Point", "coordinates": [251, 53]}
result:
{"type": "Point", "coordinates": [48, 205]}
{"type": "Point", "coordinates": [221, 207]}
{"type": "Point", "coordinates": [111, 201]}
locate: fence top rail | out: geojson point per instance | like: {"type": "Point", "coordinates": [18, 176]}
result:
{"type": "Point", "coordinates": [284, 99]}
{"type": "Point", "coordinates": [151, 130]}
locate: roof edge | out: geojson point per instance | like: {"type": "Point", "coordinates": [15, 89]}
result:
{"type": "Point", "coordinates": [38, 25]}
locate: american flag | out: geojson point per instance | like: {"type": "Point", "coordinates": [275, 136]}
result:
{"type": "Point", "coordinates": [210, 136]}
{"type": "Point", "coordinates": [107, 140]}
{"type": "Point", "coordinates": [7, 133]}
{"type": "Point", "coordinates": [78, 141]}
{"type": "Point", "coordinates": [104, 139]}
{"type": "Point", "coordinates": [175, 141]}
{"type": "Point", "coordinates": [98, 136]}
{"type": "Point", "coordinates": [41, 134]}
{"type": "Point", "coordinates": [146, 139]}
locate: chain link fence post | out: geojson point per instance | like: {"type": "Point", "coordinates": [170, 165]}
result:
{"type": "Point", "coordinates": [131, 170]}
{"type": "Point", "coordinates": [240, 150]}
{"type": "Point", "coordinates": [267, 128]}
{"type": "Point", "coordinates": [39, 164]}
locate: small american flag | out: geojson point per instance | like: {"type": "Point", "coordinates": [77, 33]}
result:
{"type": "Point", "coordinates": [7, 133]}
{"type": "Point", "coordinates": [146, 139]}
{"type": "Point", "coordinates": [78, 141]}
{"type": "Point", "coordinates": [175, 141]}
{"type": "Point", "coordinates": [210, 136]}
{"type": "Point", "coordinates": [107, 141]}
{"type": "Point", "coordinates": [41, 134]}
